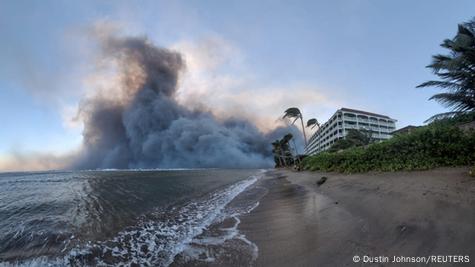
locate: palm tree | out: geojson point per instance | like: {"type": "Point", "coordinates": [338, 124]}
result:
{"type": "Point", "coordinates": [277, 150]}
{"type": "Point", "coordinates": [313, 122]}
{"type": "Point", "coordinates": [281, 150]}
{"type": "Point", "coordinates": [456, 72]}
{"type": "Point", "coordinates": [285, 149]}
{"type": "Point", "coordinates": [295, 113]}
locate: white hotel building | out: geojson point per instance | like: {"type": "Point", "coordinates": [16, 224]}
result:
{"type": "Point", "coordinates": [344, 119]}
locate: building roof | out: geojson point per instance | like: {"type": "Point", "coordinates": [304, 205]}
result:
{"type": "Point", "coordinates": [467, 125]}
{"type": "Point", "coordinates": [405, 129]}
{"type": "Point", "coordinates": [365, 112]}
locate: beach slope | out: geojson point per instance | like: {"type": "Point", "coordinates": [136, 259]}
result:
{"type": "Point", "coordinates": [409, 214]}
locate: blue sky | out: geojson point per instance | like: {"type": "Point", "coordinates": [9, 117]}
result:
{"type": "Point", "coordinates": [359, 54]}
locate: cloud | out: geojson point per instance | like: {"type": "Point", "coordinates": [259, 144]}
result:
{"type": "Point", "coordinates": [218, 78]}
{"type": "Point", "coordinates": [31, 161]}
{"type": "Point", "coordinates": [196, 104]}
{"type": "Point", "coordinates": [133, 119]}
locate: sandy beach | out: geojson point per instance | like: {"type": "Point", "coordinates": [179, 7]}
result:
{"type": "Point", "coordinates": [408, 214]}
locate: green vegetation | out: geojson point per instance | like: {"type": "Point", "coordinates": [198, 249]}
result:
{"type": "Point", "coordinates": [354, 138]}
{"type": "Point", "coordinates": [312, 123]}
{"type": "Point", "coordinates": [456, 72]}
{"type": "Point", "coordinates": [457, 120]}
{"type": "Point", "coordinates": [295, 114]}
{"type": "Point", "coordinates": [438, 144]}
{"type": "Point", "coordinates": [441, 143]}
{"type": "Point", "coordinates": [282, 153]}
{"type": "Point", "coordinates": [283, 156]}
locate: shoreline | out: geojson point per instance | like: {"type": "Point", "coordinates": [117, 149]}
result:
{"type": "Point", "coordinates": [394, 214]}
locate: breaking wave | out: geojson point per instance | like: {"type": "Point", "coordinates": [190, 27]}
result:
{"type": "Point", "coordinates": [160, 235]}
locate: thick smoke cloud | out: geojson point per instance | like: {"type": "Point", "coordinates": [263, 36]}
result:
{"type": "Point", "coordinates": [137, 122]}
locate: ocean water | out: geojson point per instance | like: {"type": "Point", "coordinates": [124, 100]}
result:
{"type": "Point", "coordinates": [126, 218]}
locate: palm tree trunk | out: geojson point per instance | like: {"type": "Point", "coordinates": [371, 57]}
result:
{"type": "Point", "coordinates": [296, 152]}
{"type": "Point", "coordinates": [283, 158]}
{"type": "Point", "coordinates": [303, 130]}
{"type": "Point", "coordinates": [281, 163]}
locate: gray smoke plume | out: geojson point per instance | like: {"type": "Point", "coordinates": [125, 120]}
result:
{"type": "Point", "coordinates": [141, 125]}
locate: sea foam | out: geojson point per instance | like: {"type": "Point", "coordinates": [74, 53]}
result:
{"type": "Point", "coordinates": [158, 237]}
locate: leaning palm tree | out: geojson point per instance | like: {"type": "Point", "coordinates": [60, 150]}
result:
{"type": "Point", "coordinates": [285, 149]}
{"type": "Point", "coordinates": [295, 113]}
{"type": "Point", "coordinates": [282, 151]}
{"type": "Point", "coordinates": [312, 123]}
{"type": "Point", "coordinates": [456, 71]}
{"type": "Point", "coordinates": [277, 151]}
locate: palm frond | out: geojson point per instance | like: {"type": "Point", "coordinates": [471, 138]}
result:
{"type": "Point", "coordinates": [456, 71]}
{"type": "Point", "coordinates": [466, 29]}
{"type": "Point", "coordinates": [443, 84]}
{"type": "Point", "coordinates": [459, 101]}
{"type": "Point", "coordinates": [296, 118]}
{"type": "Point", "coordinates": [442, 116]}
{"type": "Point", "coordinates": [312, 122]}
{"type": "Point", "coordinates": [292, 112]}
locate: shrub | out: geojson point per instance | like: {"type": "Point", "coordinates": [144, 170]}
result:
{"type": "Point", "coordinates": [354, 138]}
{"type": "Point", "coordinates": [438, 144]}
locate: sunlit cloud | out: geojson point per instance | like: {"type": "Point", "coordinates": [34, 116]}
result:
{"type": "Point", "coordinates": [33, 161]}
{"type": "Point", "coordinates": [218, 78]}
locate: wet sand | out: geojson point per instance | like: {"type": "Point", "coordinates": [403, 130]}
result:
{"type": "Point", "coordinates": [420, 213]}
